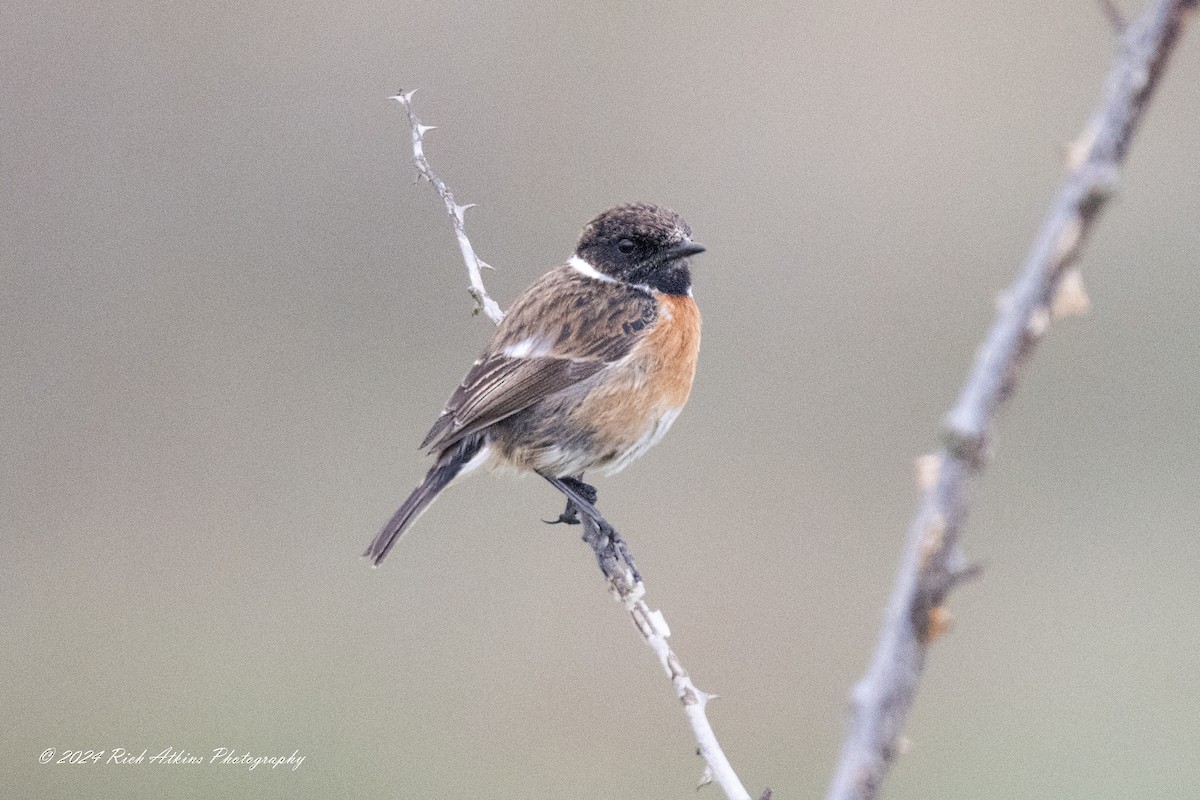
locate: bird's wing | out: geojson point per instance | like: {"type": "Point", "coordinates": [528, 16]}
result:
{"type": "Point", "coordinates": [562, 330]}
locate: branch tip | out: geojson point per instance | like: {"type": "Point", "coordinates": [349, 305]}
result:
{"type": "Point", "coordinates": [483, 303]}
{"type": "Point", "coordinates": [1115, 18]}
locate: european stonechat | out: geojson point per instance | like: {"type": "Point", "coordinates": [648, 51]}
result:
{"type": "Point", "coordinates": [588, 370]}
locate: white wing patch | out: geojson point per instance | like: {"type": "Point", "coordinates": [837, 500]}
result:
{"type": "Point", "coordinates": [534, 346]}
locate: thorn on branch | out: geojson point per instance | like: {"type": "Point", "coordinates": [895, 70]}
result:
{"type": "Point", "coordinates": [694, 695]}
{"type": "Point", "coordinates": [960, 566]}
{"type": "Point", "coordinates": [1038, 323]}
{"type": "Point", "coordinates": [937, 624]}
{"type": "Point", "coordinates": [966, 572]}
{"type": "Point", "coordinates": [929, 469]}
{"type": "Point", "coordinates": [1070, 297]}
{"type": "Point", "coordinates": [460, 213]}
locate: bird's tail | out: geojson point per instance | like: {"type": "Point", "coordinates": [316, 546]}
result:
{"type": "Point", "coordinates": [448, 465]}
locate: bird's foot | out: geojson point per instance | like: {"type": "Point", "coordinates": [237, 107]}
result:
{"type": "Point", "coordinates": [606, 543]}
{"type": "Point", "coordinates": [569, 516]}
{"type": "Point", "coordinates": [585, 490]}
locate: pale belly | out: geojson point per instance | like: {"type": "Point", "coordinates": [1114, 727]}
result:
{"type": "Point", "coordinates": [609, 459]}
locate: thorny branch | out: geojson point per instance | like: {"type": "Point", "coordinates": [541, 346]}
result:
{"type": "Point", "coordinates": [611, 552]}
{"type": "Point", "coordinates": [654, 629]}
{"type": "Point", "coordinates": [1047, 286]}
{"type": "Point", "coordinates": [474, 263]}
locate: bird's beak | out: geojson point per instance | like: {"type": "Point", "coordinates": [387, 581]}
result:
{"type": "Point", "coordinates": [683, 250]}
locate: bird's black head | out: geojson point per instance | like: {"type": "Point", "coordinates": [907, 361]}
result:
{"type": "Point", "coordinates": [640, 244]}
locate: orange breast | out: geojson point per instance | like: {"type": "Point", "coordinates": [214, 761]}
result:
{"type": "Point", "coordinates": [642, 394]}
{"type": "Point", "coordinates": [672, 348]}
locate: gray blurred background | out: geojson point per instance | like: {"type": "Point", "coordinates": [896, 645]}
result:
{"type": "Point", "coordinates": [228, 318]}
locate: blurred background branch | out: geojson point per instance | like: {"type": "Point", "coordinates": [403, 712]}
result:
{"type": "Point", "coordinates": [933, 563]}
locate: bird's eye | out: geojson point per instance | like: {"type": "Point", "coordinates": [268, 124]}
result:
{"type": "Point", "coordinates": [626, 246]}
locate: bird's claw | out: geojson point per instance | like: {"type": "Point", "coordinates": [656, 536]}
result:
{"type": "Point", "coordinates": [569, 516]}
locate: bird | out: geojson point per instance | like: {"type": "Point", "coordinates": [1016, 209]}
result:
{"type": "Point", "coordinates": [588, 369]}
